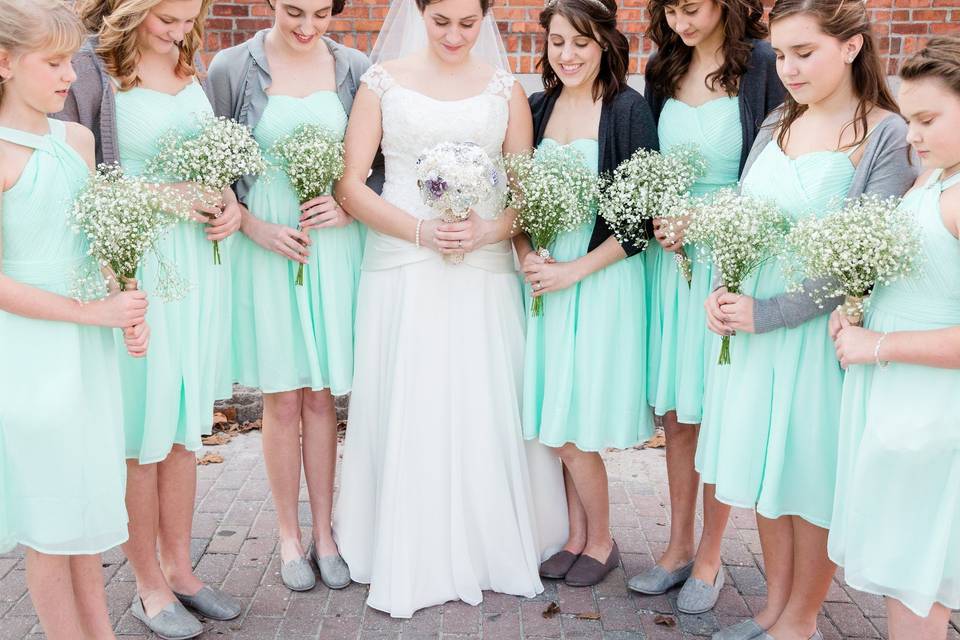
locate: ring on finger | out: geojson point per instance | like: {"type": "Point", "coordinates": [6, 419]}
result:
{"type": "Point", "coordinates": [460, 244]}
{"type": "Point", "coordinates": [536, 286]}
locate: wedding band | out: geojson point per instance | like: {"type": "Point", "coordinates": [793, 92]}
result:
{"type": "Point", "coordinates": [536, 286]}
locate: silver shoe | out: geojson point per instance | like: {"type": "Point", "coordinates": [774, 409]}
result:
{"type": "Point", "coordinates": [697, 596]}
{"type": "Point", "coordinates": [657, 580]}
{"type": "Point", "coordinates": [172, 623]}
{"type": "Point", "coordinates": [212, 603]}
{"type": "Point", "coordinates": [746, 630]}
{"type": "Point", "coordinates": [334, 572]}
{"type": "Point", "coordinates": [297, 575]}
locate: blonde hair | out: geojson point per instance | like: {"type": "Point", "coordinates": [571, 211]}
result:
{"type": "Point", "coordinates": [116, 22]}
{"type": "Point", "coordinates": [39, 25]}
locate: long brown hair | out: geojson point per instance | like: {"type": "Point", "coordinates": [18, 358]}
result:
{"type": "Point", "coordinates": [841, 19]}
{"type": "Point", "coordinates": [741, 21]}
{"type": "Point", "coordinates": [597, 20]}
{"type": "Point", "coordinates": [939, 58]}
{"type": "Point", "coordinates": [116, 22]}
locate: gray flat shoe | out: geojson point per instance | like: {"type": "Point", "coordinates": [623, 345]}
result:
{"type": "Point", "coordinates": [334, 572]}
{"type": "Point", "coordinates": [556, 566]}
{"type": "Point", "coordinates": [297, 575]}
{"type": "Point", "coordinates": [172, 623]}
{"type": "Point", "coordinates": [657, 580]}
{"type": "Point", "coordinates": [587, 571]}
{"type": "Point", "coordinates": [697, 596]}
{"type": "Point", "coordinates": [746, 630]}
{"type": "Point", "coordinates": [212, 603]}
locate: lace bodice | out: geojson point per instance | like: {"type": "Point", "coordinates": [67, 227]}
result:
{"type": "Point", "coordinates": [412, 123]}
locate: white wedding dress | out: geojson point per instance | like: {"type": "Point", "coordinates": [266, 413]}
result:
{"type": "Point", "coordinates": [440, 497]}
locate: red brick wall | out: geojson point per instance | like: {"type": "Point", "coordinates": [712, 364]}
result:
{"type": "Point", "coordinates": [901, 25]}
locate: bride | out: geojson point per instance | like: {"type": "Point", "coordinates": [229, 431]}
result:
{"type": "Point", "coordinates": [440, 498]}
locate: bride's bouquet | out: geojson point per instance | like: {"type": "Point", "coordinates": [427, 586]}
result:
{"type": "Point", "coordinates": [218, 154]}
{"type": "Point", "coordinates": [312, 158]}
{"type": "Point", "coordinates": [869, 241]}
{"type": "Point", "coordinates": [644, 187]}
{"type": "Point", "coordinates": [123, 217]}
{"type": "Point", "coordinates": [739, 233]}
{"type": "Point", "coordinates": [553, 192]}
{"type": "Point", "coordinates": [454, 177]}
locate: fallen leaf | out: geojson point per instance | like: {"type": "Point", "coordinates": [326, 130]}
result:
{"type": "Point", "coordinates": [230, 413]}
{"type": "Point", "coordinates": [658, 441]}
{"type": "Point", "coordinates": [219, 419]}
{"type": "Point", "coordinates": [665, 621]}
{"type": "Point", "coordinates": [588, 616]}
{"type": "Point", "coordinates": [552, 610]}
{"type": "Point", "coordinates": [218, 438]}
{"type": "Point", "coordinates": [210, 458]}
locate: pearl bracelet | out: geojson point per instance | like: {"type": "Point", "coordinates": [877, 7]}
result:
{"type": "Point", "coordinates": [876, 353]}
{"type": "Point", "coordinates": [417, 237]}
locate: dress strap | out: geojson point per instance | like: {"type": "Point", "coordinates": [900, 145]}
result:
{"type": "Point", "coordinates": [501, 84]}
{"type": "Point", "coordinates": [377, 79]}
{"type": "Point", "coordinates": [25, 138]}
{"type": "Point", "coordinates": [949, 182]}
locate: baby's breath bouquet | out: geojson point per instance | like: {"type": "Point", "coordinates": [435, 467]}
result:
{"type": "Point", "coordinates": [738, 233]}
{"type": "Point", "coordinates": [454, 177]}
{"type": "Point", "coordinates": [553, 192]}
{"type": "Point", "coordinates": [312, 158]}
{"type": "Point", "coordinates": [123, 217]}
{"type": "Point", "coordinates": [218, 154]}
{"type": "Point", "coordinates": [643, 187]}
{"type": "Point", "coordinates": [868, 241]}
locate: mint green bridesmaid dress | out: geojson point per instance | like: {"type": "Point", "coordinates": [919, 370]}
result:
{"type": "Point", "coordinates": [585, 357]}
{"type": "Point", "coordinates": [286, 336]}
{"type": "Point", "coordinates": [677, 334]}
{"type": "Point", "coordinates": [168, 396]}
{"type": "Point", "coordinates": [62, 468]}
{"type": "Point", "coordinates": [771, 418]}
{"type": "Point", "coordinates": [896, 515]}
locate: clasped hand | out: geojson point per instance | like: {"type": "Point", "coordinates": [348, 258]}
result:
{"type": "Point", "coordinates": [455, 237]}
{"type": "Point", "coordinates": [546, 275]}
{"type": "Point", "coordinates": [728, 312]}
{"type": "Point", "coordinates": [853, 344]}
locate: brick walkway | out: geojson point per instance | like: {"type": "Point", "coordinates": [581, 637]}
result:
{"type": "Point", "coordinates": [236, 548]}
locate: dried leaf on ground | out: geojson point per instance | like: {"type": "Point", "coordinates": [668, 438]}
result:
{"type": "Point", "coordinates": [665, 621]}
{"type": "Point", "coordinates": [552, 610]}
{"type": "Point", "coordinates": [588, 616]}
{"type": "Point", "coordinates": [658, 441]}
{"type": "Point", "coordinates": [218, 438]}
{"type": "Point", "coordinates": [219, 419]}
{"type": "Point", "coordinates": [210, 458]}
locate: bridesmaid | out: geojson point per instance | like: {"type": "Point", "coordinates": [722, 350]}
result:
{"type": "Point", "coordinates": [898, 472]}
{"type": "Point", "coordinates": [593, 287]}
{"type": "Point", "coordinates": [770, 421]}
{"type": "Point", "coordinates": [61, 431]}
{"type": "Point", "coordinates": [295, 342]}
{"type": "Point", "coordinates": [711, 83]}
{"type": "Point", "coordinates": [136, 81]}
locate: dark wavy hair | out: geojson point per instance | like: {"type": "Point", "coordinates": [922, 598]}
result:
{"type": "Point", "coordinates": [841, 19]}
{"type": "Point", "coordinates": [597, 20]}
{"type": "Point", "coordinates": [741, 21]}
{"type": "Point", "coordinates": [336, 9]}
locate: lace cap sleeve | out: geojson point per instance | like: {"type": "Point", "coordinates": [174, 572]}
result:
{"type": "Point", "coordinates": [377, 79]}
{"type": "Point", "coordinates": [501, 84]}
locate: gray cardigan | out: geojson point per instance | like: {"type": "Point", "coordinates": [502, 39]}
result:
{"type": "Point", "coordinates": [239, 77]}
{"type": "Point", "coordinates": [884, 169]}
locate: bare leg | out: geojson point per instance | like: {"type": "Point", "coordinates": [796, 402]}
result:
{"type": "Point", "coordinates": [90, 597]}
{"type": "Point", "coordinates": [143, 510]}
{"type": "Point", "coordinates": [809, 589]}
{"type": "Point", "coordinates": [589, 476]}
{"type": "Point", "coordinates": [319, 464]}
{"type": "Point", "coordinates": [776, 540]}
{"type": "Point", "coordinates": [51, 591]}
{"type": "Point", "coordinates": [281, 454]}
{"type": "Point", "coordinates": [715, 516]}
{"type": "Point", "coordinates": [904, 624]}
{"type": "Point", "coordinates": [684, 482]}
{"type": "Point", "coordinates": [577, 539]}
{"type": "Point", "coordinates": [177, 491]}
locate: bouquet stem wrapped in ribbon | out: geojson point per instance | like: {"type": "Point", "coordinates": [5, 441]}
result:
{"type": "Point", "coordinates": [453, 178]}
{"type": "Point", "coordinates": [553, 192]}
{"type": "Point", "coordinates": [739, 233]}
{"type": "Point", "coordinates": [869, 241]}
{"type": "Point", "coordinates": [218, 154]}
{"type": "Point", "coordinates": [312, 158]}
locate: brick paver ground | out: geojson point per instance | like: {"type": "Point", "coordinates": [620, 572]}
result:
{"type": "Point", "coordinates": [235, 547]}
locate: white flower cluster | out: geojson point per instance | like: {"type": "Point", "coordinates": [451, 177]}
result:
{"type": "Point", "coordinates": [869, 241]}
{"type": "Point", "coordinates": [553, 192]}
{"type": "Point", "coordinates": [122, 218]}
{"type": "Point", "coordinates": [312, 157]}
{"type": "Point", "coordinates": [643, 187]}
{"type": "Point", "coordinates": [453, 177]}
{"type": "Point", "coordinates": [738, 233]}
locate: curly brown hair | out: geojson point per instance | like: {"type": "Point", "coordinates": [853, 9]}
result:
{"type": "Point", "coordinates": [116, 22]}
{"type": "Point", "coordinates": [939, 58]}
{"type": "Point", "coordinates": [741, 21]}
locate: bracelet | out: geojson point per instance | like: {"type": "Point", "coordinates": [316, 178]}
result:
{"type": "Point", "coordinates": [417, 237]}
{"type": "Point", "coordinates": [876, 353]}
